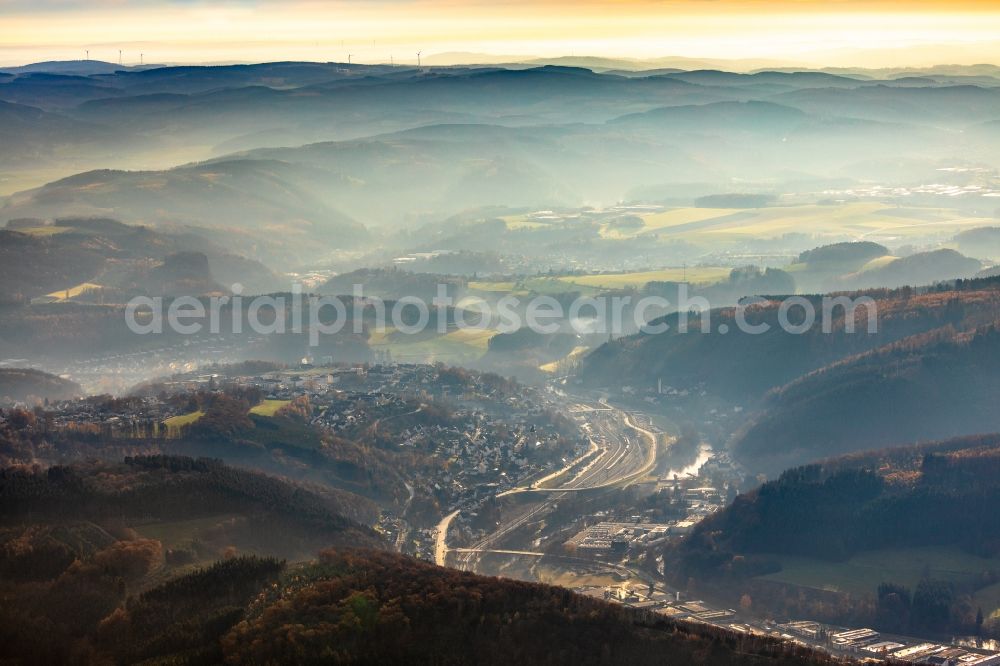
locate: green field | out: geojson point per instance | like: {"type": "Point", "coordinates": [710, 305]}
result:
{"type": "Point", "coordinates": [863, 572]}
{"type": "Point", "coordinates": [175, 423]}
{"type": "Point", "coordinates": [268, 407]}
{"type": "Point", "coordinates": [493, 287]}
{"type": "Point", "coordinates": [453, 346]}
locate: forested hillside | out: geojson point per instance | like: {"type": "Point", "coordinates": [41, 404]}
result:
{"type": "Point", "coordinates": [940, 384]}
{"type": "Point", "coordinates": [938, 498]}
{"type": "Point", "coordinates": [357, 607]}
{"type": "Point", "coordinates": [254, 512]}
{"type": "Point", "coordinates": [743, 366]}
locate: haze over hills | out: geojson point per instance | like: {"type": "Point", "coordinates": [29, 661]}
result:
{"type": "Point", "coordinates": [75, 255]}
{"type": "Point", "coordinates": [170, 487]}
{"type": "Point", "coordinates": [697, 128]}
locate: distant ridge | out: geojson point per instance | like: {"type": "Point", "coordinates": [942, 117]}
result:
{"type": "Point", "coordinates": [77, 67]}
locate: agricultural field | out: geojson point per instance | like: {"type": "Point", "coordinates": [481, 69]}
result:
{"type": "Point", "coordinates": [682, 216]}
{"type": "Point", "coordinates": [268, 407]}
{"type": "Point", "coordinates": [864, 572]}
{"type": "Point", "coordinates": [694, 275]}
{"type": "Point", "coordinates": [872, 221]}
{"type": "Point", "coordinates": [493, 287]}
{"type": "Point", "coordinates": [530, 221]}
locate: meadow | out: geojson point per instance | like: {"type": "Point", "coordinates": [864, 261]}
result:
{"type": "Point", "coordinates": [175, 423]}
{"type": "Point", "coordinates": [268, 407]}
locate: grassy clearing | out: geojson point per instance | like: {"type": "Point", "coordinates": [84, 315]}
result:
{"type": "Point", "coordinates": [175, 423]}
{"type": "Point", "coordinates": [573, 579]}
{"type": "Point", "coordinates": [47, 230]}
{"type": "Point", "coordinates": [73, 292]}
{"type": "Point", "coordinates": [453, 346]}
{"type": "Point", "coordinates": [180, 532]}
{"type": "Point", "coordinates": [493, 287]}
{"type": "Point", "coordinates": [863, 573]}
{"type": "Point", "coordinates": [555, 366]}
{"type": "Point", "coordinates": [880, 262]}
{"type": "Point", "coordinates": [695, 275]}
{"type": "Point", "coordinates": [268, 407]}
{"type": "Point", "coordinates": [524, 222]}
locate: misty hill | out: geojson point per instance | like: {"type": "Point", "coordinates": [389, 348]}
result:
{"type": "Point", "coordinates": [285, 200]}
{"type": "Point", "coordinates": [743, 366]}
{"type": "Point", "coordinates": [256, 203]}
{"type": "Point", "coordinates": [393, 284]}
{"type": "Point", "coordinates": [30, 386]}
{"type": "Point", "coordinates": [866, 265]}
{"type": "Point", "coordinates": [753, 116]}
{"type": "Point", "coordinates": [31, 136]}
{"type": "Point", "coordinates": [844, 496]}
{"type": "Point", "coordinates": [842, 257]}
{"type": "Point", "coordinates": [73, 255]}
{"type": "Point", "coordinates": [983, 242]}
{"type": "Point", "coordinates": [69, 67]}
{"type": "Point", "coordinates": [182, 274]}
{"type": "Point", "coordinates": [917, 269]}
{"type": "Point", "coordinates": [930, 386]}
{"type": "Point", "coordinates": [773, 80]}
{"type": "Point", "coordinates": [946, 106]}
{"type": "Point", "coordinates": [712, 125]}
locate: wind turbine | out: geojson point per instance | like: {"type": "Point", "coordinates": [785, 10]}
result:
{"type": "Point", "coordinates": [418, 58]}
{"type": "Point", "coordinates": [87, 51]}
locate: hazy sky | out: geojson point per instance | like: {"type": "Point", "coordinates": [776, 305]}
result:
{"type": "Point", "coordinates": [835, 32]}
